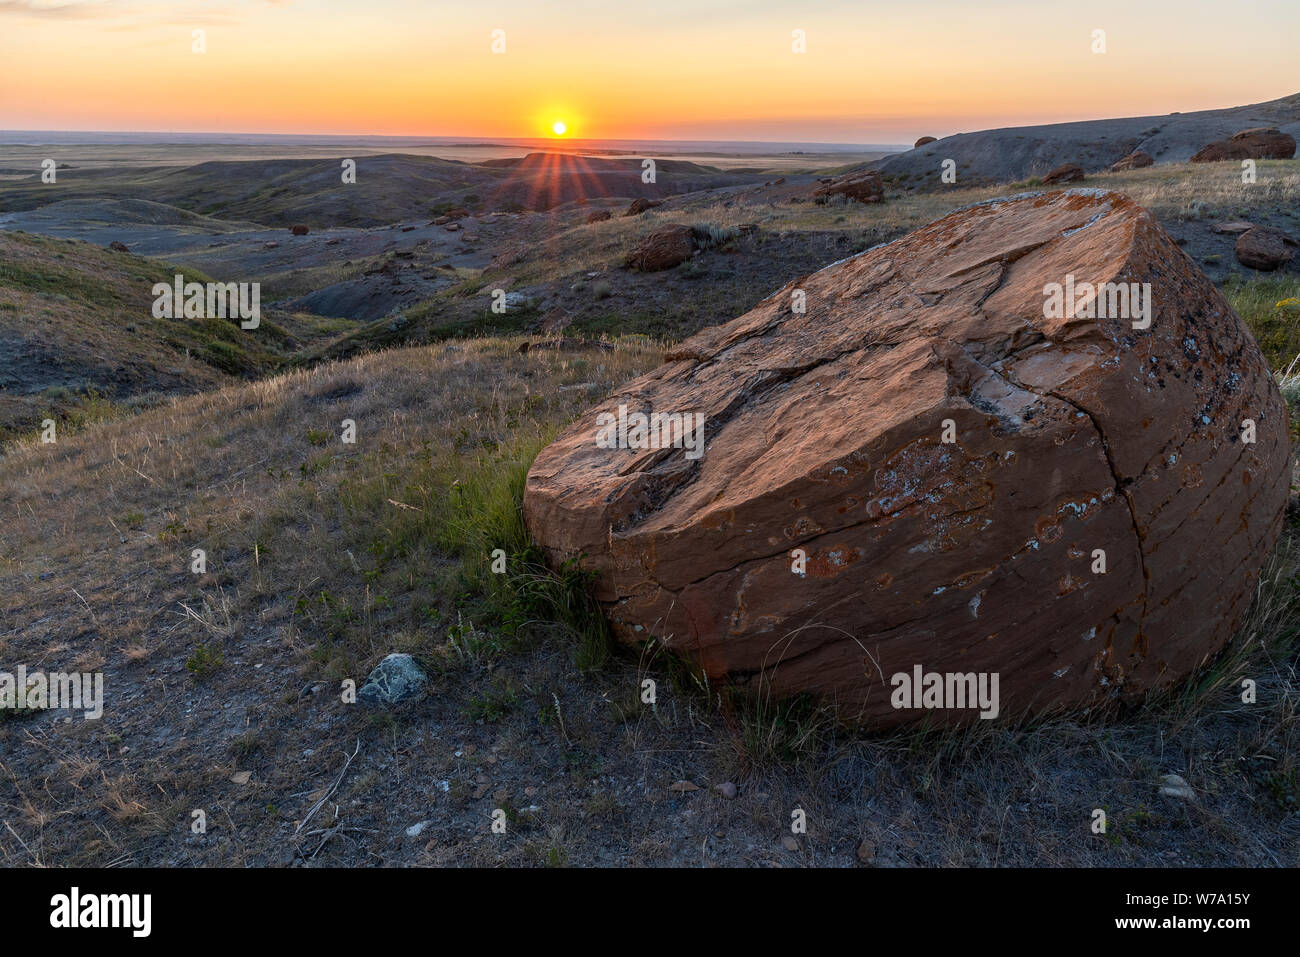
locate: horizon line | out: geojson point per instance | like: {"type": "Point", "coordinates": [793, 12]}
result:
{"type": "Point", "coordinates": [443, 139]}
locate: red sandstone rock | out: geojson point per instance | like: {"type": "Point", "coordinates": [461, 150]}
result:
{"type": "Point", "coordinates": [824, 432]}
{"type": "Point", "coordinates": [865, 186]}
{"type": "Point", "coordinates": [1265, 248]}
{"type": "Point", "coordinates": [1067, 173]}
{"type": "Point", "coordinates": [663, 248]}
{"type": "Point", "coordinates": [598, 216]}
{"type": "Point", "coordinates": [1137, 160]}
{"type": "Point", "coordinates": [923, 141]}
{"type": "Point", "coordinates": [1262, 142]}
{"type": "Point", "coordinates": [299, 230]}
{"type": "Point", "coordinates": [639, 206]}
{"type": "Point", "coordinates": [118, 247]}
{"type": "Point", "coordinates": [1219, 150]}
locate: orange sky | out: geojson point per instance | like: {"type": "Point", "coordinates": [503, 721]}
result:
{"type": "Point", "coordinates": [683, 69]}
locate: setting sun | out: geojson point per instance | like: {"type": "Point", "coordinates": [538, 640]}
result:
{"type": "Point", "coordinates": [558, 128]}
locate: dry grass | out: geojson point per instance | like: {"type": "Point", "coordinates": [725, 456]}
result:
{"type": "Point", "coordinates": [312, 567]}
{"type": "Point", "coordinates": [1209, 190]}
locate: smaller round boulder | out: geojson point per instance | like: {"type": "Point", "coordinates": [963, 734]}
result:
{"type": "Point", "coordinates": [1136, 160]}
{"type": "Point", "coordinates": [1265, 248]}
{"type": "Point", "coordinates": [663, 248]}
{"type": "Point", "coordinates": [1068, 173]}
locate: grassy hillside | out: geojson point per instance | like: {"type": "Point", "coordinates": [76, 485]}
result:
{"type": "Point", "coordinates": [996, 156]}
{"type": "Point", "coordinates": [80, 336]}
{"type": "Point", "coordinates": [388, 188]}
{"type": "Point", "coordinates": [563, 262]}
{"type": "Point", "coordinates": [273, 192]}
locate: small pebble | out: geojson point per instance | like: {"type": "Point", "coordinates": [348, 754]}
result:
{"type": "Point", "coordinates": [1172, 785]}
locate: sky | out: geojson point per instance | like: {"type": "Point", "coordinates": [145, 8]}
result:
{"type": "Point", "coordinates": [632, 69]}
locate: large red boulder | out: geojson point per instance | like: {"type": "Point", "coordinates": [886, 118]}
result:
{"type": "Point", "coordinates": [921, 459]}
{"type": "Point", "coordinates": [1262, 142]}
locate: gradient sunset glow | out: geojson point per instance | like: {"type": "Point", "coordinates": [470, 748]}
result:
{"type": "Point", "coordinates": [673, 69]}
